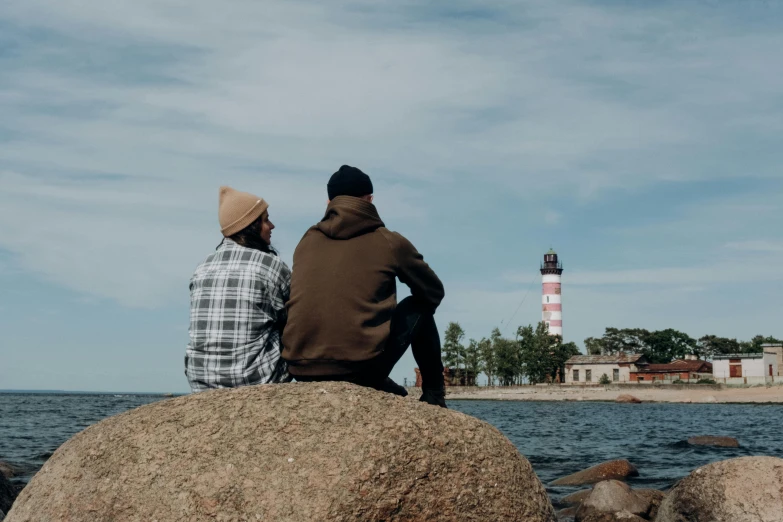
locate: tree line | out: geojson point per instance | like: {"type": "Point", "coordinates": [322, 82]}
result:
{"type": "Point", "coordinates": [535, 356]}
{"type": "Point", "coordinates": [663, 346]}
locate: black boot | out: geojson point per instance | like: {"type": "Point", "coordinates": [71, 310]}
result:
{"type": "Point", "coordinates": [389, 386]}
{"type": "Point", "coordinates": [434, 396]}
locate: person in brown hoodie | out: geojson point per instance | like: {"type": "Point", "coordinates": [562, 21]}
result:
{"type": "Point", "coordinates": [344, 322]}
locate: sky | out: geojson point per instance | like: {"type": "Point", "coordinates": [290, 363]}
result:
{"type": "Point", "coordinates": [640, 140]}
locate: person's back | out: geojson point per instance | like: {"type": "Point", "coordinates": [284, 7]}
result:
{"type": "Point", "coordinates": [344, 322]}
{"type": "Point", "coordinates": [237, 297]}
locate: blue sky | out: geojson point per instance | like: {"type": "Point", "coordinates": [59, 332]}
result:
{"type": "Point", "coordinates": [641, 140]}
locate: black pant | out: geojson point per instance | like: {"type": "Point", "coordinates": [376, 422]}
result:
{"type": "Point", "coordinates": [411, 325]}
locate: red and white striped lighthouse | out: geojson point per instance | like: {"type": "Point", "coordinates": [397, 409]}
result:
{"type": "Point", "coordinates": [552, 315]}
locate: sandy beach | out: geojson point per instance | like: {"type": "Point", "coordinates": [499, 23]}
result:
{"type": "Point", "coordinates": [672, 394]}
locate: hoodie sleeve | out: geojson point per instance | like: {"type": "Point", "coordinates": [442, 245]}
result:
{"type": "Point", "coordinates": [416, 273]}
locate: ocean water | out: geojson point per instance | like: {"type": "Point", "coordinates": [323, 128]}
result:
{"type": "Point", "coordinates": [558, 438]}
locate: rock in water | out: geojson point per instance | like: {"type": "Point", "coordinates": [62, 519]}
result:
{"type": "Point", "coordinates": [286, 452]}
{"type": "Point", "coordinates": [613, 469]}
{"type": "Point", "coordinates": [654, 498]}
{"type": "Point", "coordinates": [746, 489]}
{"type": "Point", "coordinates": [577, 497]}
{"type": "Point", "coordinates": [709, 440]}
{"type": "Point", "coordinates": [7, 494]}
{"type": "Point", "coordinates": [628, 399]}
{"type": "Point", "coordinates": [612, 496]}
{"type": "Point", "coordinates": [7, 470]}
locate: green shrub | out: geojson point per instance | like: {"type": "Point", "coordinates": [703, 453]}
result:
{"type": "Point", "coordinates": [678, 381]}
{"type": "Point", "coordinates": [706, 381]}
{"type": "Point", "coordinates": [604, 379]}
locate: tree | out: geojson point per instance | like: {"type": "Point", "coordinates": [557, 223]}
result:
{"type": "Point", "coordinates": [487, 353]}
{"type": "Point", "coordinates": [604, 379]}
{"type": "Point", "coordinates": [712, 345]}
{"type": "Point", "coordinates": [542, 355]}
{"type": "Point", "coordinates": [625, 340]}
{"type": "Point", "coordinates": [754, 345]}
{"type": "Point", "coordinates": [505, 351]}
{"type": "Point", "coordinates": [453, 350]}
{"type": "Point", "coordinates": [664, 345]}
{"type": "Point", "coordinates": [594, 346]}
{"type": "Point", "coordinates": [472, 358]}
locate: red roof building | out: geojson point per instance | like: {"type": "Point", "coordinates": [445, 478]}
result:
{"type": "Point", "coordinates": [682, 369]}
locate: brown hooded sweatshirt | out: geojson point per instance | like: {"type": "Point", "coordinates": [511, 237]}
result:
{"type": "Point", "coordinates": [343, 289]}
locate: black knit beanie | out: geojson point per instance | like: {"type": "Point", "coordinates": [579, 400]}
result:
{"type": "Point", "coordinates": [349, 181]}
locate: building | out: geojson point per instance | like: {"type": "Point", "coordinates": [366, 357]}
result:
{"type": "Point", "coordinates": [586, 369]}
{"type": "Point", "coordinates": [687, 369]}
{"type": "Point", "coordinates": [552, 307]}
{"type": "Point", "coordinates": [745, 368]}
{"type": "Point", "coordinates": [777, 349]}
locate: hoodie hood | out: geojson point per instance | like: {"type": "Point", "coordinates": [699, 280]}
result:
{"type": "Point", "coordinates": [347, 217]}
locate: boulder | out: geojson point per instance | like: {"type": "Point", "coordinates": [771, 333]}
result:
{"type": "Point", "coordinates": [612, 496]}
{"type": "Point", "coordinates": [577, 497]}
{"type": "Point", "coordinates": [622, 516]}
{"type": "Point", "coordinates": [627, 399]}
{"type": "Point", "coordinates": [653, 497]}
{"type": "Point", "coordinates": [613, 469]}
{"type": "Point", "coordinates": [286, 452]}
{"type": "Point", "coordinates": [567, 513]}
{"type": "Point", "coordinates": [710, 440]}
{"type": "Point", "coordinates": [745, 489]}
{"type": "Point", "coordinates": [7, 470]}
{"type": "Point", "coordinates": [7, 494]}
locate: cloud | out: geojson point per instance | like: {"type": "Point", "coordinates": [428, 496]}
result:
{"type": "Point", "coordinates": [757, 245]}
{"type": "Point", "coordinates": [120, 121]}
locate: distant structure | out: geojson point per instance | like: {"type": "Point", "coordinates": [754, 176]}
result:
{"type": "Point", "coordinates": [552, 315]}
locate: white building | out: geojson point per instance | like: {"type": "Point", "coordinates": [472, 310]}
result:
{"type": "Point", "coordinates": [777, 349]}
{"type": "Point", "coordinates": [587, 369]}
{"type": "Point", "coordinates": [745, 368]}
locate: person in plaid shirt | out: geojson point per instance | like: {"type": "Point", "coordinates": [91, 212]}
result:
{"type": "Point", "coordinates": [237, 302]}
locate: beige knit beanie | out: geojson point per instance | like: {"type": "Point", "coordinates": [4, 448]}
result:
{"type": "Point", "coordinates": [238, 209]}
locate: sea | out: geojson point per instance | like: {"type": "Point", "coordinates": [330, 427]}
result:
{"type": "Point", "coordinates": [558, 438]}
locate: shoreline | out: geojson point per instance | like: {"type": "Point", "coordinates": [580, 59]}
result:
{"type": "Point", "coordinates": [677, 394]}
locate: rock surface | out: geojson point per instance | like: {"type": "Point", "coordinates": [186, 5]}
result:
{"type": "Point", "coordinates": [577, 497]}
{"type": "Point", "coordinates": [710, 440]}
{"type": "Point", "coordinates": [746, 489]}
{"type": "Point", "coordinates": [7, 494]}
{"type": "Point", "coordinates": [612, 497]}
{"type": "Point", "coordinates": [654, 498]}
{"type": "Point", "coordinates": [622, 516]}
{"type": "Point", "coordinates": [613, 469]}
{"type": "Point", "coordinates": [628, 399]}
{"type": "Point", "coordinates": [7, 470]}
{"type": "Point", "coordinates": [286, 452]}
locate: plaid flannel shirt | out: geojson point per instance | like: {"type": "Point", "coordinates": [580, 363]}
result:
{"type": "Point", "coordinates": [237, 311]}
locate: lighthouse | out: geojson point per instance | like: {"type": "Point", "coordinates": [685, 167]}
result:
{"type": "Point", "coordinates": [552, 304]}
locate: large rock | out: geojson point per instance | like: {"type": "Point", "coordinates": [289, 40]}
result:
{"type": "Point", "coordinates": [628, 399]}
{"type": "Point", "coordinates": [710, 440]}
{"type": "Point", "coordinates": [746, 489]}
{"type": "Point", "coordinates": [7, 494]}
{"type": "Point", "coordinates": [622, 516]}
{"type": "Point", "coordinates": [577, 497]}
{"type": "Point", "coordinates": [613, 469]}
{"type": "Point", "coordinates": [612, 496]}
{"type": "Point", "coordinates": [7, 470]}
{"type": "Point", "coordinates": [286, 452]}
{"type": "Point", "coordinates": [654, 498]}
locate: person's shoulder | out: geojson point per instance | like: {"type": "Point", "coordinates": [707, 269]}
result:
{"type": "Point", "coordinates": [255, 260]}
{"type": "Point", "coordinates": [395, 239]}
